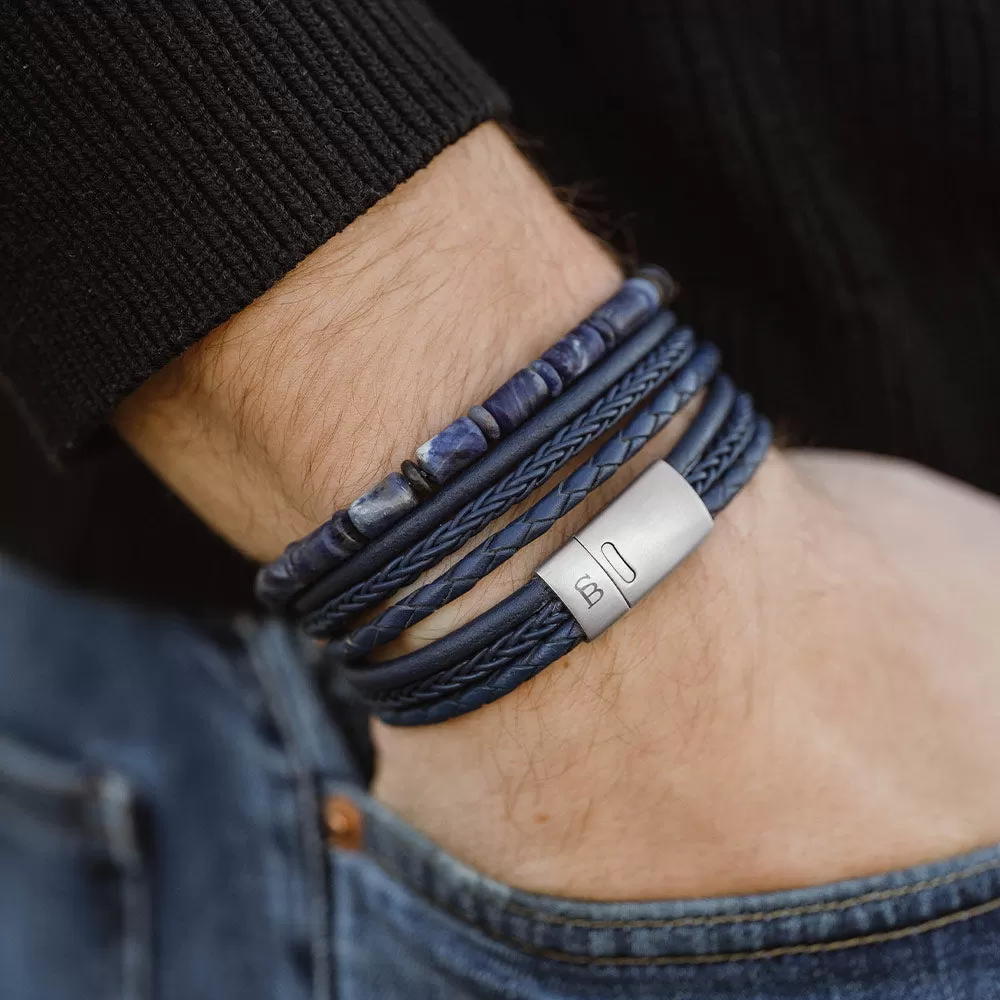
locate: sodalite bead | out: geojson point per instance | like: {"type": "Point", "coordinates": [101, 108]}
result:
{"type": "Point", "coordinates": [632, 305]}
{"type": "Point", "coordinates": [663, 281]}
{"type": "Point", "coordinates": [550, 376]}
{"type": "Point", "coordinates": [451, 450]}
{"type": "Point", "coordinates": [520, 396]}
{"type": "Point", "coordinates": [305, 560]}
{"type": "Point", "coordinates": [485, 421]}
{"type": "Point", "coordinates": [383, 505]}
{"type": "Point", "coordinates": [575, 353]}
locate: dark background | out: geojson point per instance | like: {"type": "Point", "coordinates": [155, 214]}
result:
{"type": "Point", "coordinates": [821, 175]}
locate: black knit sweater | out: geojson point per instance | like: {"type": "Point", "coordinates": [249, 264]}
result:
{"type": "Point", "coordinates": [166, 161]}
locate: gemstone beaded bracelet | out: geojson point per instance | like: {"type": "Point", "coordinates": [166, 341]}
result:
{"type": "Point", "coordinates": [464, 440]}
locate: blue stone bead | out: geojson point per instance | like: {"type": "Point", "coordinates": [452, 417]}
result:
{"type": "Point", "coordinates": [633, 304]}
{"type": "Point", "coordinates": [663, 282]}
{"type": "Point", "coordinates": [485, 421]}
{"type": "Point", "coordinates": [383, 505]}
{"type": "Point", "coordinates": [575, 353]}
{"type": "Point", "coordinates": [304, 561]}
{"type": "Point", "coordinates": [451, 450]}
{"type": "Point", "coordinates": [608, 333]}
{"type": "Point", "coordinates": [550, 376]}
{"type": "Point", "coordinates": [517, 399]}
{"type": "Point", "coordinates": [323, 549]}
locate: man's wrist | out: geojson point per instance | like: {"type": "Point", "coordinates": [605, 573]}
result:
{"type": "Point", "coordinates": [376, 341]}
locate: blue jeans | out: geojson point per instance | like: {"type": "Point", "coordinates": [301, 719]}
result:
{"type": "Point", "coordinates": [163, 787]}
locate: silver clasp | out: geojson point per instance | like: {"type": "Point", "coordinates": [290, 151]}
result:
{"type": "Point", "coordinates": [634, 543]}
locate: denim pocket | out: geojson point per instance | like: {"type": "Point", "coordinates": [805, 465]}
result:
{"type": "Point", "coordinates": [412, 921]}
{"type": "Point", "coordinates": [74, 906]}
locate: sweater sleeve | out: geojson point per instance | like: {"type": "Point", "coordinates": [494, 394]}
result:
{"type": "Point", "coordinates": [163, 163]}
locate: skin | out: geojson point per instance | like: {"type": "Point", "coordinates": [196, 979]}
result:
{"type": "Point", "coordinates": [815, 694]}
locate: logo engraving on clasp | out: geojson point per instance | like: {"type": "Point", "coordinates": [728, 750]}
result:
{"type": "Point", "coordinates": [588, 590]}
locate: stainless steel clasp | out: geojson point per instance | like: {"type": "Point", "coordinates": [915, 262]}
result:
{"type": "Point", "coordinates": [634, 543]}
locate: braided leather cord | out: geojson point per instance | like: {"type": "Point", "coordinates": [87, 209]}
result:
{"type": "Point", "coordinates": [647, 376]}
{"type": "Point", "coordinates": [563, 640]}
{"type": "Point", "coordinates": [732, 441]}
{"type": "Point", "coordinates": [517, 643]}
{"type": "Point", "coordinates": [738, 475]}
{"type": "Point", "coordinates": [497, 671]}
{"type": "Point", "coordinates": [499, 547]}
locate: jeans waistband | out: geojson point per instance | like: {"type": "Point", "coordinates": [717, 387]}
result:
{"type": "Point", "coordinates": [831, 917]}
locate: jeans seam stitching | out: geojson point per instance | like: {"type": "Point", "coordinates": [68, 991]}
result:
{"type": "Point", "coordinates": [883, 937]}
{"type": "Point", "coordinates": [879, 896]}
{"type": "Point", "coordinates": [310, 843]}
{"type": "Point", "coordinates": [868, 940]}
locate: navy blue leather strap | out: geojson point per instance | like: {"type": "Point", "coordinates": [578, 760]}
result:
{"type": "Point", "coordinates": [550, 631]}
{"type": "Point", "coordinates": [452, 649]}
{"type": "Point", "coordinates": [492, 553]}
{"type": "Point", "coordinates": [641, 381]}
{"type": "Point", "coordinates": [469, 640]}
{"type": "Point", "coordinates": [468, 485]}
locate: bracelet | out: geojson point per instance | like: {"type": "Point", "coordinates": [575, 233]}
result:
{"type": "Point", "coordinates": [465, 440]}
{"type": "Point", "coordinates": [372, 678]}
{"type": "Point", "coordinates": [497, 549]}
{"type": "Point", "coordinates": [553, 454]}
{"type": "Point", "coordinates": [535, 640]}
{"type": "Point", "coordinates": [625, 361]}
{"type": "Point", "coordinates": [470, 484]}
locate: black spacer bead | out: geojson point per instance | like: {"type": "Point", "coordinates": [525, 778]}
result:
{"type": "Point", "coordinates": [344, 528]}
{"type": "Point", "coordinates": [422, 486]}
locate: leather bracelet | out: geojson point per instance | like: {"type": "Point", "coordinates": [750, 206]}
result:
{"type": "Point", "coordinates": [376, 678]}
{"type": "Point", "coordinates": [548, 633]}
{"type": "Point", "coordinates": [466, 439]}
{"type": "Point", "coordinates": [554, 453]}
{"type": "Point", "coordinates": [471, 484]}
{"type": "Point", "coordinates": [490, 554]}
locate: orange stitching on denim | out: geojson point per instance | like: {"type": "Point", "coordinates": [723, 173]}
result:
{"type": "Point", "coordinates": [747, 956]}
{"type": "Point", "coordinates": [883, 937]}
{"type": "Point", "coordinates": [741, 918]}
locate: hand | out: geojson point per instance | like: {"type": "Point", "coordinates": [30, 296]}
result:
{"type": "Point", "coordinates": [813, 695]}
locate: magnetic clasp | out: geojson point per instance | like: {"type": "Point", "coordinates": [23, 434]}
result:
{"type": "Point", "coordinates": [617, 562]}
{"type": "Point", "coordinates": [633, 544]}
{"type": "Point", "coordinates": [584, 586]}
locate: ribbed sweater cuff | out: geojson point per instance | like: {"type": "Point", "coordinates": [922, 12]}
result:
{"type": "Point", "coordinates": [164, 163]}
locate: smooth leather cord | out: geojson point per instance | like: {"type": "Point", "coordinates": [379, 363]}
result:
{"type": "Point", "coordinates": [647, 376]}
{"type": "Point", "coordinates": [496, 463]}
{"type": "Point", "coordinates": [497, 549]}
{"type": "Point", "coordinates": [496, 670]}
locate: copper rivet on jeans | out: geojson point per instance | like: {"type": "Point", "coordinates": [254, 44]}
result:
{"type": "Point", "coordinates": [343, 823]}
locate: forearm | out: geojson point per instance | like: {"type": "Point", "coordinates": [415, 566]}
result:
{"type": "Point", "coordinates": [377, 340]}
